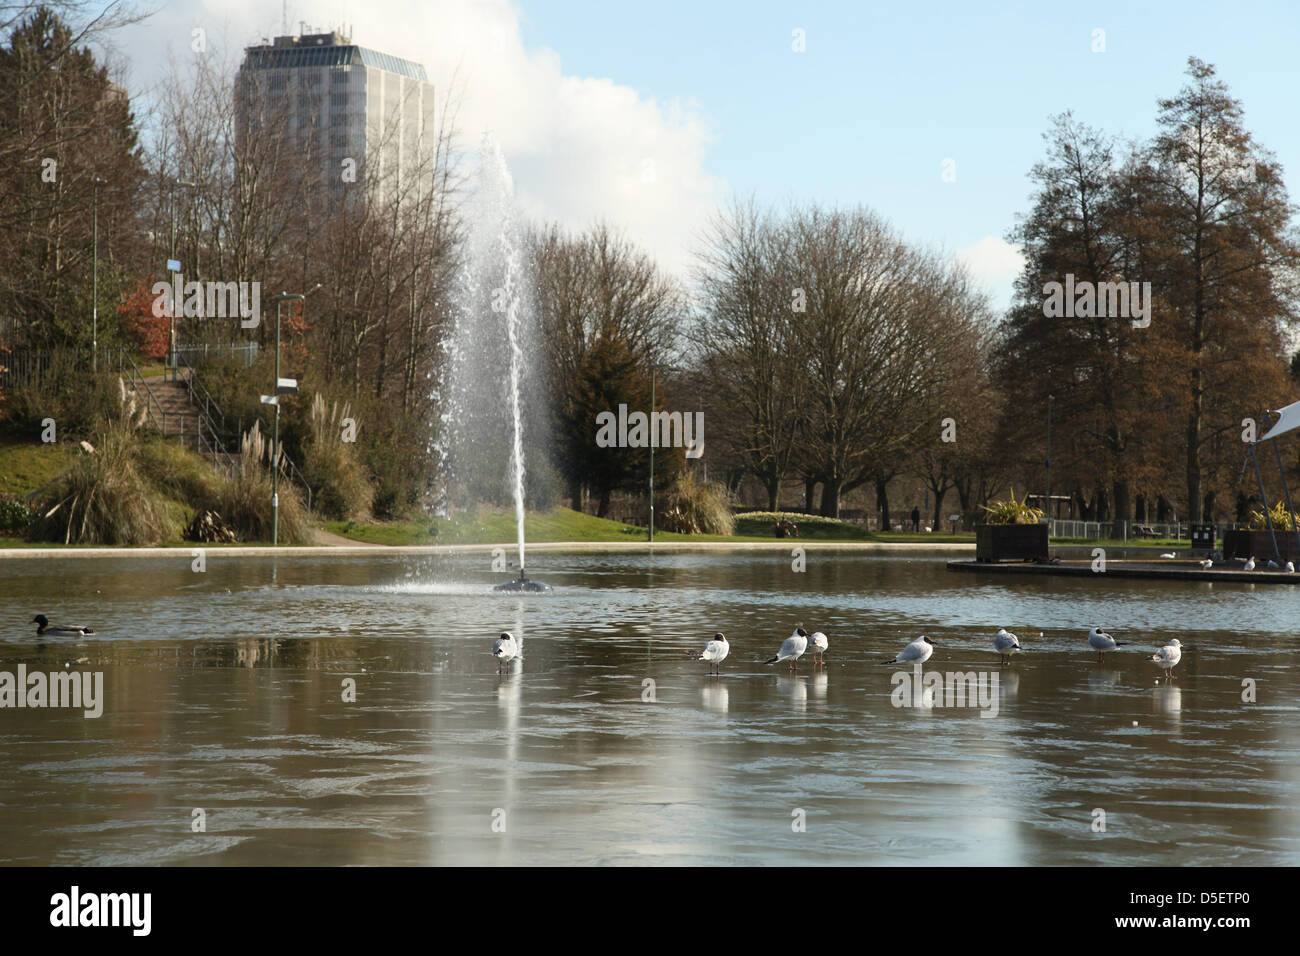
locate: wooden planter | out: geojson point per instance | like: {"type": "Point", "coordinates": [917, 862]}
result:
{"type": "Point", "coordinates": [1259, 544]}
{"type": "Point", "coordinates": [1017, 542]}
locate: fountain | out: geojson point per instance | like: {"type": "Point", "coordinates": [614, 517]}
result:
{"type": "Point", "coordinates": [493, 282]}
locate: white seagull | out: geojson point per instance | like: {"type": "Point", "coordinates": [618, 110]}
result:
{"type": "Point", "coordinates": [1249, 565]}
{"type": "Point", "coordinates": [505, 649]}
{"type": "Point", "coordinates": [792, 649]}
{"type": "Point", "coordinates": [1270, 563]}
{"type": "Point", "coordinates": [1006, 644]}
{"type": "Point", "coordinates": [817, 644]}
{"type": "Point", "coordinates": [918, 652]}
{"type": "Point", "coordinates": [715, 652]}
{"type": "Point", "coordinates": [1167, 554]}
{"type": "Point", "coordinates": [1207, 564]}
{"type": "Point", "coordinates": [1168, 656]}
{"type": "Point", "coordinates": [1102, 642]}
{"type": "Point", "coordinates": [1290, 566]}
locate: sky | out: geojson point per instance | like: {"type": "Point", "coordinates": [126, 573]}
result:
{"type": "Point", "coordinates": [652, 116]}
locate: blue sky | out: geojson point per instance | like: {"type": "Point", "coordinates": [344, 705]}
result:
{"type": "Point", "coordinates": [885, 92]}
{"type": "Point", "coordinates": [584, 96]}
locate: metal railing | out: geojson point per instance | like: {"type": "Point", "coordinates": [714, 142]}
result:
{"type": "Point", "coordinates": [1135, 531]}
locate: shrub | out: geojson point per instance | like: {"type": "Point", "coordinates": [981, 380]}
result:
{"type": "Point", "coordinates": [102, 498]}
{"type": "Point", "coordinates": [1012, 511]}
{"type": "Point", "coordinates": [1283, 520]}
{"type": "Point", "coordinates": [339, 484]}
{"type": "Point", "coordinates": [244, 502]}
{"type": "Point", "coordinates": [59, 385]}
{"type": "Point", "coordinates": [15, 516]}
{"type": "Point", "coordinates": [691, 507]}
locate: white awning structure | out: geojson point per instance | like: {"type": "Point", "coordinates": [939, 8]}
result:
{"type": "Point", "coordinates": [1290, 420]}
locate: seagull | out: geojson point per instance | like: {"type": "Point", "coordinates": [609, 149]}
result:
{"type": "Point", "coordinates": [505, 649]}
{"type": "Point", "coordinates": [1006, 644]}
{"type": "Point", "coordinates": [1290, 566]}
{"type": "Point", "coordinates": [1272, 564]}
{"type": "Point", "coordinates": [1249, 565]}
{"type": "Point", "coordinates": [792, 648]}
{"type": "Point", "coordinates": [44, 629]}
{"type": "Point", "coordinates": [1169, 655]}
{"type": "Point", "coordinates": [1167, 554]}
{"type": "Point", "coordinates": [918, 652]}
{"type": "Point", "coordinates": [1207, 564]}
{"type": "Point", "coordinates": [715, 652]}
{"type": "Point", "coordinates": [818, 644]}
{"type": "Point", "coordinates": [1102, 642]}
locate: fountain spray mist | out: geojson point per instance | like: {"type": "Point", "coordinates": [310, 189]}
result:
{"type": "Point", "coordinates": [486, 368]}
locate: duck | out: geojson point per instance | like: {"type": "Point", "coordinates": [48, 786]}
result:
{"type": "Point", "coordinates": [505, 649]}
{"type": "Point", "coordinates": [44, 629]}
{"type": "Point", "coordinates": [715, 652]}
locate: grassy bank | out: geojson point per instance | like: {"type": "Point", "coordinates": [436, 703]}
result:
{"type": "Point", "coordinates": [563, 524]}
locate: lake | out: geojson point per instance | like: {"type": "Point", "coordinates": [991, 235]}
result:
{"type": "Point", "coordinates": [226, 738]}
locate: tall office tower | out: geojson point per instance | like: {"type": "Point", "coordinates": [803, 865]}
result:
{"type": "Point", "coordinates": [362, 117]}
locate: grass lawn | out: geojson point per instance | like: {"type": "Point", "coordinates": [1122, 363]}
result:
{"type": "Point", "coordinates": [563, 524]}
{"type": "Point", "coordinates": [26, 466]}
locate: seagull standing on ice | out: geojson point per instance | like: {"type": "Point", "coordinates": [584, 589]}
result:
{"type": "Point", "coordinates": [792, 649]}
{"type": "Point", "coordinates": [1102, 642]}
{"type": "Point", "coordinates": [817, 644]}
{"type": "Point", "coordinates": [1167, 554]}
{"type": "Point", "coordinates": [1290, 566]}
{"type": "Point", "coordinates": [918, 652]}
{"type": "Point", "coordinates": [1249, 565]}
{"type": "Point", "coordinates": [1207, 564]}
{"type": "Point", "coordinates": [505, 649]}
{"type": "Point", "coordinates": [715, 652]}
{"type": "Point", "coordinates": [1168, 656]}
{"type": "Point", "coordinates": [1006, 644]}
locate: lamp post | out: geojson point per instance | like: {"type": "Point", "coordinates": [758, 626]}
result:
{"type": "Point", "coordinates": [95, 183]}
{"type": "Point", "coordinates": [171, 337]}
{"type": "Point", "coordinates": [654, 368]}
{"type": "Point", "coordinates": [290, 387]}
{"type": "Point", "coordinates": [275, 440]}
{"type": "Point", "coordinates": [1048, 503]}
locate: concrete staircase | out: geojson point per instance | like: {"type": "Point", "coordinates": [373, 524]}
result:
{"type": "Point", "coordinates": [173, 413]}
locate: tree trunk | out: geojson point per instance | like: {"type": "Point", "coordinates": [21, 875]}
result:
{"type": "Point", "coordinates": [773, 493]}
{"type": "Point", "coordinates": [809, 491]}
{"type": "Point", "coordinates": [882, 503]}
{"type": "Point", "coordinates": [603, 510]}
{"type": "Point", "coordinates": [937, 523]}
{"type": "Point", "coordinates": [1122, 508]}
{"type": "Point", "coordinates": [831, 497]}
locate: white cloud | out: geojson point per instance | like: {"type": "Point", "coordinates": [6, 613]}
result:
{"type": "Point", "coordinates": [579, 148]}
{"type": "Point", "coordinates": [993, 260]}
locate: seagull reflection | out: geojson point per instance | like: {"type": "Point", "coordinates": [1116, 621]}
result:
{"type": "Point", "coordinates": [714, 697]}
{"type": "Point", "coordinates": [1103, 680]}
{"type": "Point", "coordinates": [1010, 683]}
{"type": "Point", "coordinates": [819, 682]}
{"type": "Point", "coordinates": [1167, 699]}
{"type": "Point", "coordinates": [796, 688]}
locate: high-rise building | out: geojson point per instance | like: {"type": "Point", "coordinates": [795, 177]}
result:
{"type": "Point", "coordinates": [355, 112]}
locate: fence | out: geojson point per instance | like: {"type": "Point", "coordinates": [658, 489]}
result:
{"type": "Point", "coordinates": [1128, 531]}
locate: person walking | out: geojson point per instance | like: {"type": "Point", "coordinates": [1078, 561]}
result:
{"type": "Point", "coordinates": [916, 518]}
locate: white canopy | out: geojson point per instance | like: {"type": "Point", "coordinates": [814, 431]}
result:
{"type": "Point", "coordinates": [1290, 419]}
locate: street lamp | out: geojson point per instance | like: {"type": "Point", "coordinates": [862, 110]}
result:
{"type": "Point", "coordinates": [1049, 464]}
{"type": "Point", "coordinates": [95, 183]}
{"type": "Point", "coordinates": [654, 368]}
{"type": "Point", "coordinates": [275, 400]}
{"type": "Point", "coordinates": [172, 262]}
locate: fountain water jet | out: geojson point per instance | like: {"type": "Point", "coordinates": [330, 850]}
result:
{"type": "Point", "coordinates": [493, 282]}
